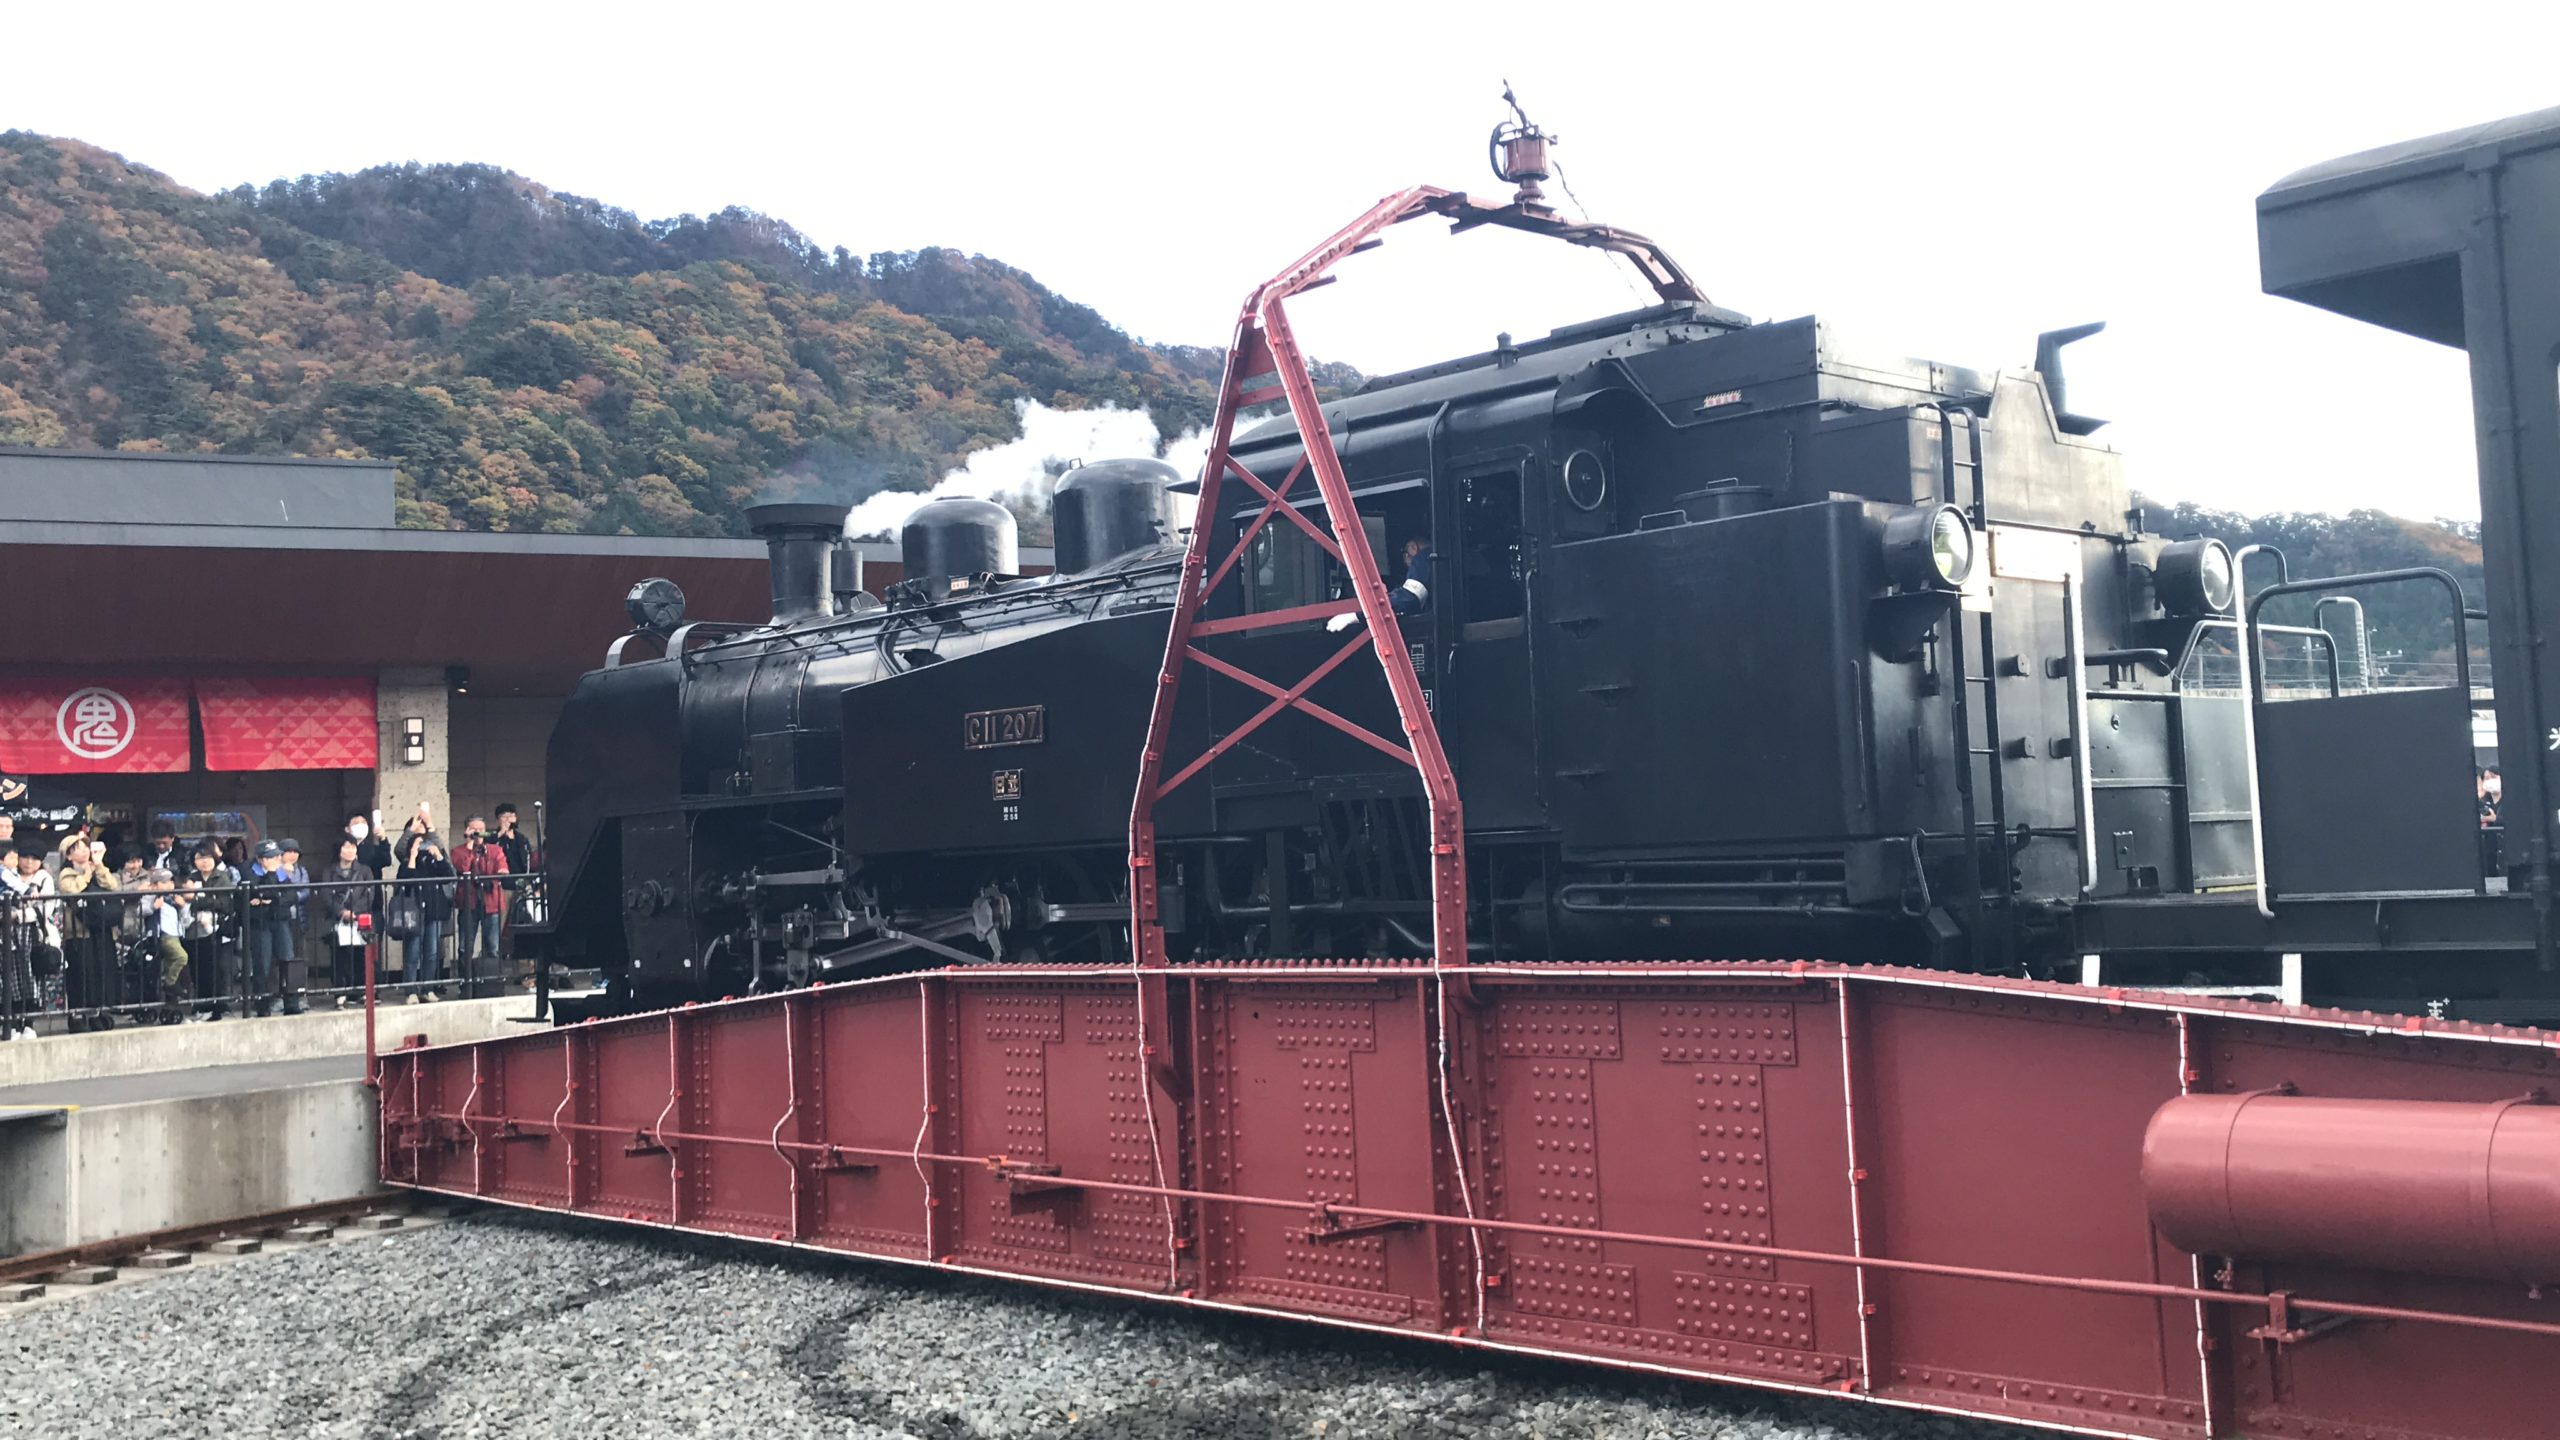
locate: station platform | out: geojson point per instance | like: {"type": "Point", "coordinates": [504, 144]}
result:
{"type": "Point", "coordinates": [123, 1133]}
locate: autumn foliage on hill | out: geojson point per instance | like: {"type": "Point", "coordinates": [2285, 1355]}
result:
{"type": "Point", "coordinates": [533, 361]}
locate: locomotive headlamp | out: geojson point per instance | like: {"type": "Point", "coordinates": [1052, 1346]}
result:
{"type": "Point", "coordinates": [2195, 577]}
{"type": "Point", "coordinates": [1929, 549]}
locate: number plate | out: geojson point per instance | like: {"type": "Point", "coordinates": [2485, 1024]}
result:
{"type": "Point", "coordinates": [994, 729]}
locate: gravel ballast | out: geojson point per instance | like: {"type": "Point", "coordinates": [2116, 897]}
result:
{"type": "Point", "coordinates": [531, 1326]}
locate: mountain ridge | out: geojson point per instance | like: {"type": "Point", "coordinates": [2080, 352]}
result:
{"type": "Point", "coordinates": [533, 360]}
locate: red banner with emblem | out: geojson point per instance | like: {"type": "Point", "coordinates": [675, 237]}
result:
{"type": "Point", "coordinates": [288, 722]}
{"type": "Point", "coordinates": [86, 725]}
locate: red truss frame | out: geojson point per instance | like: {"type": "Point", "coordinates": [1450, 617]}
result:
{"type": "Point", "coordinates": [1264, 363]}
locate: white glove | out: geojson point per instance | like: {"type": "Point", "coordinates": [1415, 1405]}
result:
{"type": "Point", "coordinates": [1342, 622]}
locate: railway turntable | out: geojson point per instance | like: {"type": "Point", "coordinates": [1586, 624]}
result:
{"type": "Point", "coordinates": [1243, 923]}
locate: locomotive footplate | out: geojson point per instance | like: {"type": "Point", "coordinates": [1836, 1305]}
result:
{"type": "Point", "coordinates": [2344, 925]}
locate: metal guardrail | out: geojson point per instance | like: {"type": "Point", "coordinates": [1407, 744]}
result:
{"type": "Point", "coordinates": [98, 958]}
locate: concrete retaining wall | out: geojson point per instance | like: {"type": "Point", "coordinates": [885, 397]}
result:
{"type": "Point", "coordinates": [75, 1173]}
{"type": "Point", "coordinates": [145, 1049]}
{"type": "Point", "coordinates": [102, 1172]}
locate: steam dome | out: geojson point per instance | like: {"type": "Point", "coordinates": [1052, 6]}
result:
{"type": "Point", "coordinates": [957, 536]}
{"type": "Point", "coordinates": [1107, 509]}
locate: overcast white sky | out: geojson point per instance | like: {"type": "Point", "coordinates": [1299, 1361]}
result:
{"type": "Point", "coordinates": [1942, 180]}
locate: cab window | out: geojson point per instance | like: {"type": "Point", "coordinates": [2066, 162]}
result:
{"type": "Point", "coordinates": [1284, 568]}
{"type": "Point", "coordinates": [1493, 552]}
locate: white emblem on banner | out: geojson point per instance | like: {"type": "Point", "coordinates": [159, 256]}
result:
{"type": "Point", "coordinates": [94, 723]}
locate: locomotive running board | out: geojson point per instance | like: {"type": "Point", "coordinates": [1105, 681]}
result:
{"type": "Point", "coordinates": [1947, 1193]}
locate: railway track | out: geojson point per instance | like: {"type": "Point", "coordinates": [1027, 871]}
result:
{"type": "Point", "coordinates": [30, 1272]}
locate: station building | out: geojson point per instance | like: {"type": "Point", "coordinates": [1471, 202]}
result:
{"type": "Point", "coordinates": [250, 646]}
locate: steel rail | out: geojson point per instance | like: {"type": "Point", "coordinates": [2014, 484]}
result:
{"type": "Point", "coordinates": [41, 1262]}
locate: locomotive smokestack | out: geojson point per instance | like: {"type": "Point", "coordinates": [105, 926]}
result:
{"type": "Point", "coordinates": [800, 540]}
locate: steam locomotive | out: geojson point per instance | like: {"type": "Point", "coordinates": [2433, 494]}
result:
{"type": "Point", "coordinates": [1740, 645]}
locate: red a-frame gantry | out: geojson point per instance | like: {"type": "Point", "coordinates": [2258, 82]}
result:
{"type": "Point", "coordinates": [1264, 363]}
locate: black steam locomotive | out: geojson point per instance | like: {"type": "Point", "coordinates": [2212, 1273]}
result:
{"type": "Point", "coordinates": [1739, 645]}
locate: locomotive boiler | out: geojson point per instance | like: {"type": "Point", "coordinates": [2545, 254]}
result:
{"type": "Point", "coordinates": [1740, 644]}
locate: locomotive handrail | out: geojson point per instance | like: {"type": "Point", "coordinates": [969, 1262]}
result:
{"type": "Point", "coordinates": [2367, 580]}
{"type": "Point", "coordinates": [683, 633]}
{"type": "Point", "coordinates": [613, 656]}
{"type": "Point", "coordinates": [2084, 794]}
{"type": "Point", "coordinates": [2364, 639]}
{"type": "Point", "coordinates": [2249, 722]}
{"type": "Point", "coordinates": [2187, 653]}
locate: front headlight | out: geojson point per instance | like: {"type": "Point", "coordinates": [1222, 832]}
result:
{"type": "Point", "coordinates": [1929, 549]}
{"type": "Point", "coordinates": [1951, 547]}
{"type": "Point", "coordinates": [2195, 578]}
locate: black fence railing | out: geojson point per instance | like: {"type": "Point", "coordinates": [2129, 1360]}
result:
{"type": "Point", "coordinates": [153, 953]}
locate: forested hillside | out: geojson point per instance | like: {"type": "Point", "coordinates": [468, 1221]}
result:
{"type": "Point", "coordinates": [533, 360]}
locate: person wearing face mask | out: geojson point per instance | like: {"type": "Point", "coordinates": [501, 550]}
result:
{"type": "Point", "coordinates": [373, 848]}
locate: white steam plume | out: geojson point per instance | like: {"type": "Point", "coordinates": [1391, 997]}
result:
{"type": "Point", "coordinates": [1029, 467]}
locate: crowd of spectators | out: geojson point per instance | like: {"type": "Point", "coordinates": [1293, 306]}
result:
{"type": "Point", "coordinates": [99, 928]}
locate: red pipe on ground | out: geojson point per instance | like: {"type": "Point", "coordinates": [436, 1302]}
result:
{"type": "Point", "coordinates": [2422, 1187]}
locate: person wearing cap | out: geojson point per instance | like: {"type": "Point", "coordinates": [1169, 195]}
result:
{"type": "Point", "coordinates": [297, 965]}
{"type": "Point", "coordinates": [268, 899]}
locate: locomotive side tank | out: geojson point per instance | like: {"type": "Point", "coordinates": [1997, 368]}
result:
{"type": "Point", "coordinates": [1737, 642]}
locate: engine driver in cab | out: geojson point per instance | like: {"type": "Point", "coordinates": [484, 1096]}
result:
{"type": "Point", "coordinates": [1411, 595]}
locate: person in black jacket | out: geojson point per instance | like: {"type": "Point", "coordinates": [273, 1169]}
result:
{"type": "Point", "coordinates": [273, 902]}
{"type": "Point", "coordinates": [349, 904]}
{"type": "Point", "coordinates": [423, 860]}
{"type": "Point", "coordinates": [373, 848]}
{"type": "Point", "coordinates": [213, 929]}
{"type": "Point", "coordinates": [164, 852]}
{"type": "Point", "coordinates": [518, 849]}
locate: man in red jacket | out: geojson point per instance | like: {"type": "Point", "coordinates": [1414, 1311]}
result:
{"type": "Point", "coordinates": [479, 904]}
